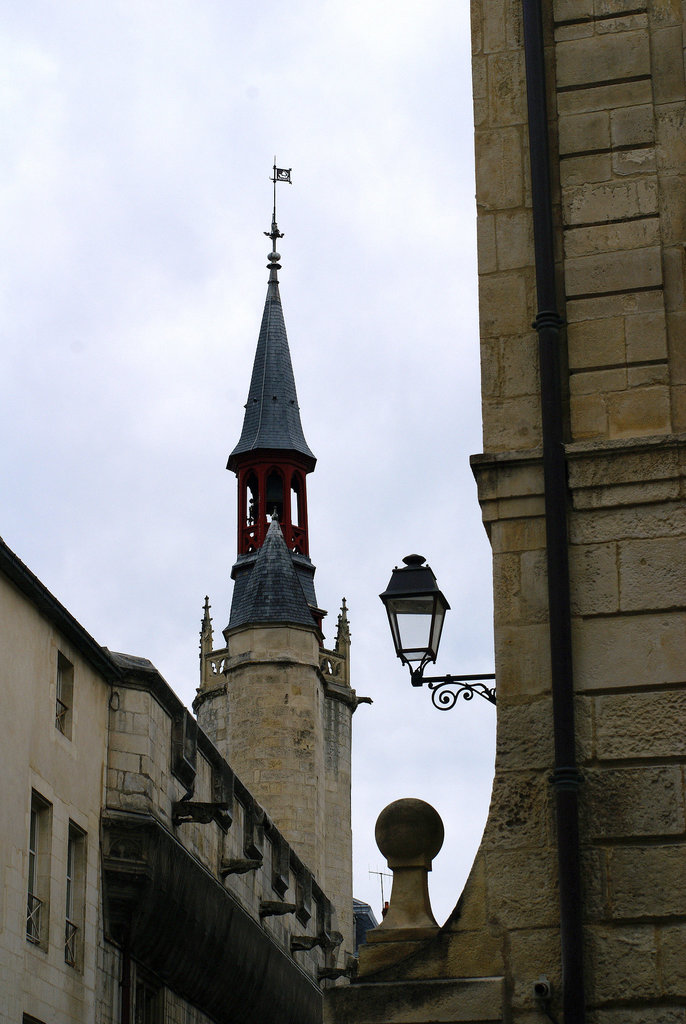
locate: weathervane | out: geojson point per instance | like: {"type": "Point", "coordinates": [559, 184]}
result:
{"type": "Point", "coordinates": [280, 174]}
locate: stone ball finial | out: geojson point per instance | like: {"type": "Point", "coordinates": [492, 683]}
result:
{"type": "Point", "coordinates": [409, 833]}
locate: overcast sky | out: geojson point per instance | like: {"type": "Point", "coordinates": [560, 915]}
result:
{"type": "Point", "coordinates": [138, 139]}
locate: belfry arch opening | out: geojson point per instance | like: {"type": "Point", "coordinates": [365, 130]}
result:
{"type": "Point", "coordinates": [275, 495]}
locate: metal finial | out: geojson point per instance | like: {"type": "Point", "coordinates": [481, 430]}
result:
{"type": "Point", "coordinates": [279, 174]}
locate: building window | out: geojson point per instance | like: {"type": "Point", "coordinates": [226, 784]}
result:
{"type": "Point", "coordinates": [39, 871]}
{"type": "Point", "coordinates": [76, 877]}
{"type": "Point", "coordinates": [64, 695]}
{"type": "Point", "coordinates": [148, 1001]}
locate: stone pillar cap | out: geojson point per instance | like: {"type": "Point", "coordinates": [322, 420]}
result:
{"type": "Point", "coordinates": [409, 833]}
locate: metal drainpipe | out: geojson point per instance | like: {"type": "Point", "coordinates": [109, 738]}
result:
{"type": "Point", "coordinates": [566, 777]}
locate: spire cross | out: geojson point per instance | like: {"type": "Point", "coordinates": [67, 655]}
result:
{"type": "Point", "coordinates": [280, 174]}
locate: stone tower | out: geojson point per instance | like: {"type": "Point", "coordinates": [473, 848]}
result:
{"type": "Point", "coordinates": [276, 703]}
{"type": "Point", "coordinates": [575, 909]}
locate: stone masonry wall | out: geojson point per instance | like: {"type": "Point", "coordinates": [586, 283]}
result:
{"type": "Point", "coordinates": [616, 105]}
{"type": "Point", "coordinates": [141, 778]}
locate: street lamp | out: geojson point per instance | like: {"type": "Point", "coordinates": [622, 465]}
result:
{"type": "Point", "coordinates": [416, 609]}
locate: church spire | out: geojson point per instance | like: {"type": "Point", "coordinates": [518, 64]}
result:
{"type": "Point", "coordinates": [272, 457]}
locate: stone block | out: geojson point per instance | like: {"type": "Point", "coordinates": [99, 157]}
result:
{"type": "Point", "coordinates": [584, 170]}
{"type": "Point", "coordinates": [519, 363]}
{"type": "Point", "coordinates": [607, 524]}
{"type": "Point", "coordinates": [638, 376]}
{"type": "Point", "coordinates": [595, 343]}
{"type": "Point", "coordinates": [602, 59]}
{"type": "Point", "coordinates": [605, 97]}
{"type": "Point", "coordinates": [641, 726]}
{"type": "Point", "coordinates": [614, 200]}
{"type": "Point", "coordinates": [652, 573]}
{"type": "Point", "coordinates": [522, 888]}
{"type": "Point", "coordinates": [674, 260]}
{"type": "Point", "coordinates": [507, 89]}
{"type": "Point", "coordinates": [594, 581]}
{"type": "Point", "coordinates": [518, 535]}
{"type": "Point", "coordinates": [623, 803]}
{"type": "Point", "coordinates": [514, 239]}
{"type": "Point", "coordinates": [612, 237]}
{"type": "Point", "coordinates": [528, 949]}
{"type": "Point", "coordinates": [671, 140]}
{"type": "Point", "coordinates": [622, 304]}
{"type": "Point", "coordinates": [499, 175]}
{"type": "Point", "coordinates": [485, 243]}
{"type": "Point", "coordinates": [672, 943]}
{"type": "Point", "coordinates": [504, 305]}
{"type": "Point", "coordinates": [588, 416]}
{"type": "Point", "coordinates": [648, 881]}
{"type": "Point", "coordinates": [646, 337]}
{"type": "Point", "coordinates": [627, 651]}
{"type": "Point", "coordinates": [458, 1000]}
{"type": "Point", "coordinates": [597, 382]}
{"type": "Point", "coordinates": [638, 1014]}
{"type": "Point", "coordinates": [640, 412]}
{"type": "Point", "coordinates": [580, 133]}
{"type": "Point", "coordinates": [512, 424]}
{"type": "Point", "coordinates": [613, 272]}
{"type": "Point", "coordinates": [519, 814]}
{"type": "Point", "coordinates": [525, 735]}
{"type": "Point", "coordinates": [572, 10]}
{"type": "Point", "coordinates": [522, 655]}
{"type": "Point", "coordinates": [632, 126]}
{"type": "Point", "coordinates": [634, 161]}
{"type": "Point", "coordinates": [621, 963]}
{"type": "Point", "coordinates": [668, 64]}
{"type": "Point", "coordinates": [627, 19]}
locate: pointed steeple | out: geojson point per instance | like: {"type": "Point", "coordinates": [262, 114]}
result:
{"type": "Point", "coordinates": [272, 457]}
{"type": "Point", "coordinates": [272, 414]}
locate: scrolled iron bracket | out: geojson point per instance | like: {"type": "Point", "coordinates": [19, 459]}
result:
{"type": "Point", "coordinates": [446, 690]}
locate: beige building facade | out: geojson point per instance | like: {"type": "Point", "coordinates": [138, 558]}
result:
{"type": "Point", "coordinates": [575, 909]}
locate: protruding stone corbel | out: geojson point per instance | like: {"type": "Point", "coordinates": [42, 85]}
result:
{"type": "Point", "coordinates": [239, 865]}
{"type": "Point", "coordinates": [333, 973]}
{"type": "Point", "coordinates": [196, 810]}
{"type": "Point", "coordinates": [326, 941]}
{"type": "Point", "coordinates": [272, 908]}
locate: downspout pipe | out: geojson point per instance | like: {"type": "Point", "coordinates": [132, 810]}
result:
{"type": "Point", "coordinates": [548, 324]}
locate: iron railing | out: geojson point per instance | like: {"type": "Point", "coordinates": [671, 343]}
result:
{"type": "Point", "coordinates": [70, 933]}
{"type": "Point", "coordinates": [33, 918]}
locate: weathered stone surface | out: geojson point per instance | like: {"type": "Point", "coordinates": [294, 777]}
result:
{"type": "Point", "coordinates": [594, 579]}
{"type": "Point", "coordinates": [621, 803]}
{"type": "Point", "coordinates": [672, 960]}
{"type": "Point", "coordinates": [580, 133]}
{"type": "Point", "coordinates": [640, 412]}
{"type": "Point", "coordinates": [519, 814]}
{"type": "Point", "coordinates": [522, 655]}
{"type": "Point", "coordinates": [613, 271]}
{"type": "Point", "coordinates": [652, 573]}
{"type": "Point", "coordinates": [632, 126]}
{"type": "Point", "coordinates": [602, 59]}
{"type": "Point", "coordinates": [596, 343]}
{"type": "Point", "coordinates": [525, 735]}
{"type": "Point", "coordinates": [522, 888]}
{"type": "Point", "coordinates": [612, 200]}
{"type": "Point", "coordinates": [614, 237]}
{"type": "Point", "coordinates": [621, 963]}
{"type": "Point", "coordinates": [499, 179]}
{"type": "Point", "coordinates": [648, 881]}
{"type": "Point", "coordinates": [641, 726]}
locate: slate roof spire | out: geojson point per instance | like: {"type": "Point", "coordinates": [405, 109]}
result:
{"type": "Point", "coordinates": [272, 414]}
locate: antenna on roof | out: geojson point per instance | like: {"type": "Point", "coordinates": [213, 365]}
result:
{"type": "Point", "coordinates": [280, 174]}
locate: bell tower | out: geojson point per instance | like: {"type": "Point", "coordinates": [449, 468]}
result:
{"type": "Point", "coordinates": [274, 701]}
